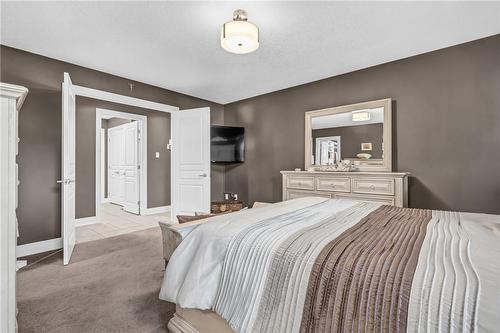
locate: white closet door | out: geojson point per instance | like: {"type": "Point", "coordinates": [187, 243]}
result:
{"type": "Point", "coordinates": [130, 168]}
{"type": "Point", "coordinates": [190, 161]}
{"type": "Point", "coordinates": [116, 157]}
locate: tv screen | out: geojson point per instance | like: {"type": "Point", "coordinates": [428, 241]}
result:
{"type": "Point", "coordinates": [227, 144]}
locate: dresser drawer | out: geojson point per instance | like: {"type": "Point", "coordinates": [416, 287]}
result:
{"type": "Point", "coordinates": [375, 186]}
{"type": "Point", "coordinates": [366, 198]}
{"type": "Point", "coordinates": [336, 184]}
{"type": "Point", "coordinates": [301, 182]}
{"type": "Point", "coordinates": [294, 194]}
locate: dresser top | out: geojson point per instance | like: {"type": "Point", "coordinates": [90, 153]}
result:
{"type": "Point", "coordinates": [350, 173]}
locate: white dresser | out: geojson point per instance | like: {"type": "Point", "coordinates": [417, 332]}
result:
{"type": "Point", "coordinates": [12, 97]}
{"type": "Point", "coordinates": [389, 188]}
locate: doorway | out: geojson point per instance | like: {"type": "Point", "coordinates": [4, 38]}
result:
{"type": "Point", "coordinates": [124, 161]}
{"type": "Point", "coordinates": [190, 162]}
{"type": "Point", "coordinates": [121, 177]}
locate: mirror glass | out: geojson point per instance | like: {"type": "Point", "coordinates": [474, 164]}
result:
{"type": "Point", "coordinates": [360, 133]}
{"type": "Point", "coordinates": [355, 135]}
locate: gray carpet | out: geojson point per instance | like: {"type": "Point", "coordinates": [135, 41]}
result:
{"type": "Point", "coordinates": [111, 285]}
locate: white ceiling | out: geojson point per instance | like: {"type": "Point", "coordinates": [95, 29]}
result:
{"type": "Point", "coordinates": [175, 45]}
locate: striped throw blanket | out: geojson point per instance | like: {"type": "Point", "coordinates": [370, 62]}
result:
{"type": "Point", "coordinates": [341, 266]}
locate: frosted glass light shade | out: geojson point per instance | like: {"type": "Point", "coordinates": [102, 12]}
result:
{"type": "Point", "coordinates": [239, 37]}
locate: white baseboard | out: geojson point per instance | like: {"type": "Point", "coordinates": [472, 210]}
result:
{"type": "Point", "coordinates": [85, 221]}
{"type": "Point", "coordinates": [157, 210]}
{"type": "Point", "coordinates": [38, 247]}
{"type": "Point", "coordinates": [20, 264]}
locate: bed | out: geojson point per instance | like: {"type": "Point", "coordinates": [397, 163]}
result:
{"type": "Point", "coordinates": [335, 265]}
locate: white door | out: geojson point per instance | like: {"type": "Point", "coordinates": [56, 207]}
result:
{"type": "Point", "coordinates": [190, 161]}
{"type": "Point", "coordinates": [68, 169]}
{"type": "Point", "coordinates": [116, 157]}
{"type": "Point", "coordinates": [103, 165]}
{"type": "Point", "coordinates": [130, 167]}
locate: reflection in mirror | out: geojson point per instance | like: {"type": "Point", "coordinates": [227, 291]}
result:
{"type": "Point", "coordinates": [327, 150]}
{"type": "Point", "coordinates": [355, 135]}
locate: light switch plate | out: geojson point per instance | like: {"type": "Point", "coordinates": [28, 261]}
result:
{"type": "Point", "coordinates": [157, 155]}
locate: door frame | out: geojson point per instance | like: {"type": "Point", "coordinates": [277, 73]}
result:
{"type": "Point", "coordinates": [142, 158]}
{"type": "Point", "coordinates": [103, 167]}
{"type": "Point", "coordinates": [119, 99]}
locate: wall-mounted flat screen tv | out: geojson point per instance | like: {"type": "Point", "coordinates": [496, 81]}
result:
{"type": "Point", "coordinates": [227, 144]}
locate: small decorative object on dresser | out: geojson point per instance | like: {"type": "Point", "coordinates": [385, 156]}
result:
{"type": "Point", "coordinates": [389, 188]}
{"type": "Point", "coordinates": [218, 207]}
{"type": "Point", "coordinates": [338, 166]}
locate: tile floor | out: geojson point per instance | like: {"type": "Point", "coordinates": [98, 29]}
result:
{"type": "Point", "coordinates": [115, 221]}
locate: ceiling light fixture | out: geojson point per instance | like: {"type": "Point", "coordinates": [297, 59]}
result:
{"type": "Point", "coordinates": [239, 36]}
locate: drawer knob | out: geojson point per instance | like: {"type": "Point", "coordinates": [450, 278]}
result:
{"type": "Point", "coordinates": [372, 187]}
{"type": "Point", "coordinates": [333, 186]}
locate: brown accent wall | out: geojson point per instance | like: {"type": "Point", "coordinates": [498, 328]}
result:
{"type": "Point", "coordinates": [40, 133]}
{"type": "Point", "coordinates": [446, 126]}
{"type": "Point", "coordinates": [113, 122]}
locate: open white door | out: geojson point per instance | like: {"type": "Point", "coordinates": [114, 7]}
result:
{"type": "Point", "coordinates": [131, 167]}
{"type": "Point", "coordinates": [68, 169]}
{"type": "Point", "coordinates": [190, 162]}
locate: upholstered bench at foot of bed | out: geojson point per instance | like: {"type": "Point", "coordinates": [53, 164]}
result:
{"type": "Point", "coordinates": [173, 234]}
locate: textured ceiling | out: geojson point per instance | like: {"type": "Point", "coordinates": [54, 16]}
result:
{"type": "Point", "coordinates": [175, 45]}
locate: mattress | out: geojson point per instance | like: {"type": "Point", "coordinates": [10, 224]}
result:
{"type": "Point", "coordinates": [334, 265]}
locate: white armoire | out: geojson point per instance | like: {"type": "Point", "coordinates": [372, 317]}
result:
{"type": "Point", "coordinates": [12, 98]}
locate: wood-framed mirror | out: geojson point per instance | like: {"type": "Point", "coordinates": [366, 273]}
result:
{"type": "Point", "coordinates": [361, 133]}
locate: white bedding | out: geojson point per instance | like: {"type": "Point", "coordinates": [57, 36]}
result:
{"type": "Point", "coordinates": [193, 273]}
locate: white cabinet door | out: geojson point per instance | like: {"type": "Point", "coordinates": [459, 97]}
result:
{"type": "Point", "coordinates": [130, 167]}
{"type": "Point", "coordinates": [68, 168]}
{"type": "Point", "coordinates": [190, 161]}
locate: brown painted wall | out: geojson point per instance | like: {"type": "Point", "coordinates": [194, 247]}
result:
{"type": "Point", "coordinates": [446, 126]}
{"type": "Point", "coordinates": [351, 138]}
{"type": "Point", "coordinates": [113, 122]}
{"type": "Point", "coordinates": [40, 132]}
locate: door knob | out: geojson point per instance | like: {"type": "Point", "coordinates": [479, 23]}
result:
{"type": "Point", "coordinates": [65, 181]}
{"type": "Point", "coordinates": [203, 175]}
